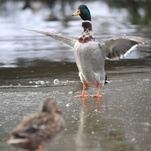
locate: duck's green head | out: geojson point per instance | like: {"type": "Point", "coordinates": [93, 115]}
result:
{"type": "Point", "coordinates": [83, 12]}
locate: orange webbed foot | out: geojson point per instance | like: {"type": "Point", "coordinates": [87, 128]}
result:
{"type": "Point", "coordinates": [83, 95]}
{"type": "Point", "coordinates": [96, 96]}
{"type": "Point", "coordinates": [40, 148]}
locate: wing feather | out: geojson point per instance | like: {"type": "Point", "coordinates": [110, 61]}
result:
{"type": "Point", "coordinates": [65, 39]}
{"type": "Point", "coordinates": [118, 47]}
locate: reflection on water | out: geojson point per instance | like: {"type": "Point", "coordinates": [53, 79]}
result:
{"type": "Point", "coordinates": [111, 128]}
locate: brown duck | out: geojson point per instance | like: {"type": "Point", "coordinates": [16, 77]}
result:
{"type": "Point", "coordinates": [39, 128]}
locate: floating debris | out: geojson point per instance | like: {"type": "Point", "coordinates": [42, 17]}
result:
{"type": "Point", "coordinates": [56, 81]}
{"type": "Point", "coordinates": [67, 105]}
{"type": "Point", "coordinates": [40, 82]}
{"type": "Point", "coordinates": [70, 92]}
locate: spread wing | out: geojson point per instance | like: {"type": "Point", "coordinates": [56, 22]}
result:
{"type": "Point", "coordinates": [65, 39]}
{"type": "Point", "coordinates": [119, 47]}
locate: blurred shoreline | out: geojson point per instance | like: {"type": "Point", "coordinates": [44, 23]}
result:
{"type": "Point", "coordinates": [21, 48]}
{"type": "Point", "coordinates": [139, 11]}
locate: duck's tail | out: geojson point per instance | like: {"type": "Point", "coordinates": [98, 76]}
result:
{"type": "Point", "coordinates": [106, 80]}
{"type": "Point", "coordinates": [65, 39]}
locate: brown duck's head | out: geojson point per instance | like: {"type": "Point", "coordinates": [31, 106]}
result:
{"type": "Point", "coordinates": [49, 106]}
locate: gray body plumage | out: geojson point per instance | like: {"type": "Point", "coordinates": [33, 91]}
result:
{"type": "Point", "coordinates": [90, 60]}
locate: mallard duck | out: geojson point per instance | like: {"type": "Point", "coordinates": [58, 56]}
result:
{"type": "Point", "coordinates": [90, 54]}
{"type": "Point", "coordinates": [37, 129]}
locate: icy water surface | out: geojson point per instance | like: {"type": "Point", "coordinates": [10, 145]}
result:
{"type": "Point", "coordinates": [34, 67]}
{"type": "Point", "coordinates": [120, 120]}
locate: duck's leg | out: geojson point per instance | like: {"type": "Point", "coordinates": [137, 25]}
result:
{"type": "Point", "coordinates": [40, 148]}
{"type": "Point", "coordinates": [98, 94]}
{"type": "Point", "coordinates": [83, 94]}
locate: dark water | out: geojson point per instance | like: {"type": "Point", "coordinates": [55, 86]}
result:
{"type": "Point", "coordinates": [34, 67]}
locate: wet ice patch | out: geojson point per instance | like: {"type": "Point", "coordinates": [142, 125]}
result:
{"type": "Point", "coordinates": [67, 105]}
{"type": "Point", "coordinates": [96, 110]}
{"type": "Point", "coordinates": [70, 92]}
{"type": "Point", "coordinates": [146, 80]}
{"type": "Point", "coordinates": [133, 139]}
{"type": "Point", "coordinates": [39, 82]}
{"type": "Point", "coordinates": [19, 86]}
{"type": "Point", "coordinates": [65, 82]}
{"type": "Point", "coordinates": [74, 117]}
